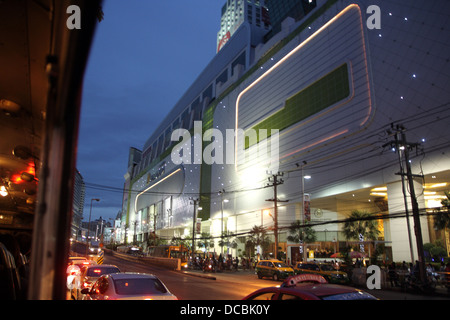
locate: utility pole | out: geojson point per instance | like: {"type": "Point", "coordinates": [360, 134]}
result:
{"type": "Point", "coordinates": [274, 181]}
{"type": "Point", "coordinates": [402, 145]}
{"type": "Point", "coordinates": [135, 223]}
{"type": "Point", "coordinates": [89, 225]}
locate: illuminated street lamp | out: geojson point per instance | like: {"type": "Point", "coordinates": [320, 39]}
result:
{"type": "Point", "coordinates": [89, 224]}
{"type": "Point", "coordinates": [195, 203]}
{"type": "Point", "coordinates": [222, 200]}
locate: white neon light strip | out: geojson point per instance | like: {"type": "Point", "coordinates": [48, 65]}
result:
{"type": "Point", "coordinates": [295, 50]}
{"type": "Point", "coordinates": [152, 186]}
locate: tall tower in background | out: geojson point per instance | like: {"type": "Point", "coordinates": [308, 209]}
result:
{"type": "Point", "coordinates": [280, 10]}
{"type": "Point", "coordinates": [236, 12]}
{"type": "Point", "coordinates": [79, 192]}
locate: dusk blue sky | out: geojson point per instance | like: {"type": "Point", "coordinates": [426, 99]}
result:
{"type": "Point", "coordinates": [145, 55]}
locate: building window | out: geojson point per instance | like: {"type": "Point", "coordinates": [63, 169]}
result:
{"type": "Point", "coordinates": [160, 145]}
{"type": "Point", "coordinates": [185, 117]}
{"type": "Point", "coordinates": [196, 107]}
{"type": "Point", "coordinates": [208, 93]}
{"type": "Point", "coordinates": [239, 60]}
{"type": "Point", "coordinates": [167, 136]}
{"type": "Point", "coordinates": [223, 77]}
{"type": "Point", "coordinates": [153, 152]}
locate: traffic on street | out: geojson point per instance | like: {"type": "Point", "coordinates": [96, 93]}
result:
{"type": "Point", "coordinates": [239, 284]}
{"type": "Point", "coordinates": [297, 151]}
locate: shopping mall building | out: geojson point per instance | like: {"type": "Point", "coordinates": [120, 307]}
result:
{"type": "Point", "coordinates": [329, 95]}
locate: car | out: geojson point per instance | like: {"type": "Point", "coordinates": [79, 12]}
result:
{"type": "Point", "coordinates": [324, 269]}
{"type": "Point", "coordinates": [309, 287]}
{"type": "Point", "coordinates": [88, 275]}
{"type": "Point", "coordinates": [75, 260]}
{"type": "Point", "coordinates": [94, 247]}
{"type": "Point", "coordinates": [274, 269]}
{"type": "Point", "coordinates": [72, 259]}
{"type": "Point", "coordinates": [74, 268]}
{"type": "Point", "coordinates": [128, 286]}
{"type": "Point", "coordinates": [75, 264]}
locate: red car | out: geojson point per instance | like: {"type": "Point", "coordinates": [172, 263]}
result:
{"type": "Point", "coordinates": [309, 287]}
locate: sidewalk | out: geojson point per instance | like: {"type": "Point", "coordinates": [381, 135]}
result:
{"type": "Point", "coordinates": [439, 291]}
{"type": "Point", "coordinates": [250, 276]}
{"type": "Point", "coordinates": [224, 275]}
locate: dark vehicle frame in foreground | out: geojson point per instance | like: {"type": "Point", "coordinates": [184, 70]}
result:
{"type": "Point", "coordinates": [309, 287]}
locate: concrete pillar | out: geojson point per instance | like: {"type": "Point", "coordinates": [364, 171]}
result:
{"type": "Point", "coordinates": [397, 230]}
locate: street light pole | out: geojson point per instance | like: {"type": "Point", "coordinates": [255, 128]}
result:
{"type": "Point", "coordinates": [194, 202]}
{"type": "Point", "coordinates": [303, 216]}
{"type": "Point", "coordinates": [221, 192]}
{"type": "Point", "coordinates": [273, 179]}
{"type": "Point", "coordinates": [89, 223]}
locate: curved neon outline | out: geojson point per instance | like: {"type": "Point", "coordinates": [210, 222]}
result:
{"type": "Point", "coordinates": [153, 185]}
{"type": "Point", "coordinates": [301, 45]}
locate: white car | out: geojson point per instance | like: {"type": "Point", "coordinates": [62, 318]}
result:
{"type": "Point", "coordinates": [128, 286]}
{"type": "Point", "coordinates": [88, 275]}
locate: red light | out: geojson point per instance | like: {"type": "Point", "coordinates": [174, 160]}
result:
{"type": "Point", "coordinates": [31, 169]}
{"type": "Point", "coordinates": [16, 178]}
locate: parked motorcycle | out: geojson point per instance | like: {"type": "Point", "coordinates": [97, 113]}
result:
{"type": "Point", "coordinates": [412, 283]}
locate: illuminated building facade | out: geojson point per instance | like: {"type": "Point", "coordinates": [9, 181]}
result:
{"type": "Point", "coordinates": [339, 91]}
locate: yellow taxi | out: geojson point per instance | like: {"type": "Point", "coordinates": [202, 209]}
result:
{"type": "Point", "coordinates": [326, 270]}
{"type": "Point", "coordinates": [274, 269]}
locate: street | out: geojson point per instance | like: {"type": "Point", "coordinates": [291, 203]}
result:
{"type": "Point", "coordinates": [229, 286]}
{"type": "Point", "coordinates": [196, 285]}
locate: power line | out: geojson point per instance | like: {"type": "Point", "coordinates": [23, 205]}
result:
{"type": "Point", "coordinates": [375, 216]}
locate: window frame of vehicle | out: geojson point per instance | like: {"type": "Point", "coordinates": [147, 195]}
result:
{"type": "Point", "coordinates": [270, 268]}
{"type": "Point", "coordinates": [266, 268]}
{"type": "Point", "coordinates": [288, 296]}
{"type": "Point", "coordinates": [260, 296]}
{"type": "Point", "coordinates": [260, 269]}
{"type": "Point", "coordinates": [307, 268]}
{"type": "Point", "coordinates": [280, 294]}
{"type": "Point", "coordinates": [102, 268]}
